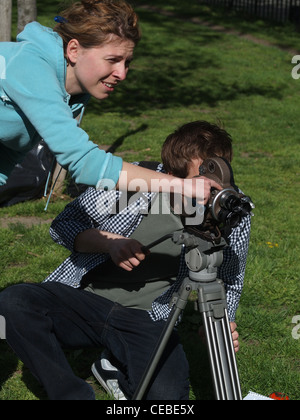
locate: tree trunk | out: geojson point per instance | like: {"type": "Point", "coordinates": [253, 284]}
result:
{"type": "Point", "coordinates": [27, 12]}
{"type": "Point", "coordinates": [5, 15]}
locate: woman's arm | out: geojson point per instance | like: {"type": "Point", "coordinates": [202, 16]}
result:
{"type": "Point", "coordinates": [136, 178]}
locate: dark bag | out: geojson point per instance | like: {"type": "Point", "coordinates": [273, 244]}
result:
{"type": "Point", "coordinates": [28, 179]}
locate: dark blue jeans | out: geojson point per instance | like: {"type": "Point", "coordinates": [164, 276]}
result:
{"type": "Point", "coordinates": [44, 319]}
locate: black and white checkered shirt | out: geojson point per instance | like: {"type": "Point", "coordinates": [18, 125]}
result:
{"type": "Point", "coordinates": [105, 211]}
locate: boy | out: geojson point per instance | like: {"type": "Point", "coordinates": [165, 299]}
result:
{"type": "Point", "coordinates": [109, 293]}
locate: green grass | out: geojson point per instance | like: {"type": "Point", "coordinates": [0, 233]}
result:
{"type": "Point", "coordinates": [184, 71]}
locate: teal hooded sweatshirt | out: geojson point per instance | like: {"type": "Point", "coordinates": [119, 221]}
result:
{"type": "Point", "coordinates": [35, 105]}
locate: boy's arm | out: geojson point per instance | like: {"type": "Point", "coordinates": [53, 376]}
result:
{"type": "Point", "coordinates": [89, 211]}
{"type": "Point", "coordinates": [125, 253]}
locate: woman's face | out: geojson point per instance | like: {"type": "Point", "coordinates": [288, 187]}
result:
{"type": "Point", "coordinates": [97, 71]}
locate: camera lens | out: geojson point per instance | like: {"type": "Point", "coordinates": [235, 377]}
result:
{"type": "Point", "coordinates": [229, 201]}
{"type": "Point", "coordinates": [228, 217]}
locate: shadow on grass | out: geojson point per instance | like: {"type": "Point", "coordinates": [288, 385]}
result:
{"type": "Point", "coordinates": [171, 67]}
{"type": "Point", "coordinates": [176, 68]}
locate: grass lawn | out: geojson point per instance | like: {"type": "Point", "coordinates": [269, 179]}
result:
{"type": "Point", "coordinates": [185, 71]}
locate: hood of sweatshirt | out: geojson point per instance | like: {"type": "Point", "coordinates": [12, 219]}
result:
{"type": "Point", "coordinates": [41, 41]}
{"type": "Point", "coordinates": [50, 44]}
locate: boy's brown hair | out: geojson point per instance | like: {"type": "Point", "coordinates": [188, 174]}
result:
{"type": "Point", "coordinates": [198, 139]}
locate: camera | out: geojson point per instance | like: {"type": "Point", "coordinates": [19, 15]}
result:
{"type": "Point", "coordinates": [226, 208]}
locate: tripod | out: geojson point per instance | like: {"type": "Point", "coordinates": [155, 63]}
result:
{"type": "Point", "coordinates": [203, 259]}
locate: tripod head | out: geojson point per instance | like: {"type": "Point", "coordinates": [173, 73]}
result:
{"type": "Point", "coordinates": [202, 257]}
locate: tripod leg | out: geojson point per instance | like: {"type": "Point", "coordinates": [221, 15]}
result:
{"type": "Point", "coordinates": [214, 360]}
{"type": "Point", "coordinates": [179, 306]}
{"type": "Point", "coordinates": [230, 350]}
{"type": "Point", "coordinates": [222, 358]}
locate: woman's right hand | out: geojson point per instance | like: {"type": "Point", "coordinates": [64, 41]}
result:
{"type": "Point", "coordinates": [137, 179]}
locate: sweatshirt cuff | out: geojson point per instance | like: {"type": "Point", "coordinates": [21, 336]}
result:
{"type": "Point", "coordinates": [3, 179]}
{"type": "Point", "coordinates": [110, 173]}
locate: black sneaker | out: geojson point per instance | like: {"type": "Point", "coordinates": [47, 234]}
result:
{"type": "Point", "coordinates": [105, 373]}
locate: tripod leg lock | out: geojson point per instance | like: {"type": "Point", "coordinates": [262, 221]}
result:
{"type": "Point", "coordinates": [180, 299]}
{"type": "Point", "coordinates": [218, 310]}
{"type": "Point", "coordinates": [212, 300]}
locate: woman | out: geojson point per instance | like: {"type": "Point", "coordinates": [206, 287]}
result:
{"type": "Point", "coordinates": [47, 78]}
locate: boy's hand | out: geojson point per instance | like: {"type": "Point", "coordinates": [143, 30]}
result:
{"type": "Point", "coordinates": [235, 336]}
{"type": "Point", "coordinates": [126, 253]}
